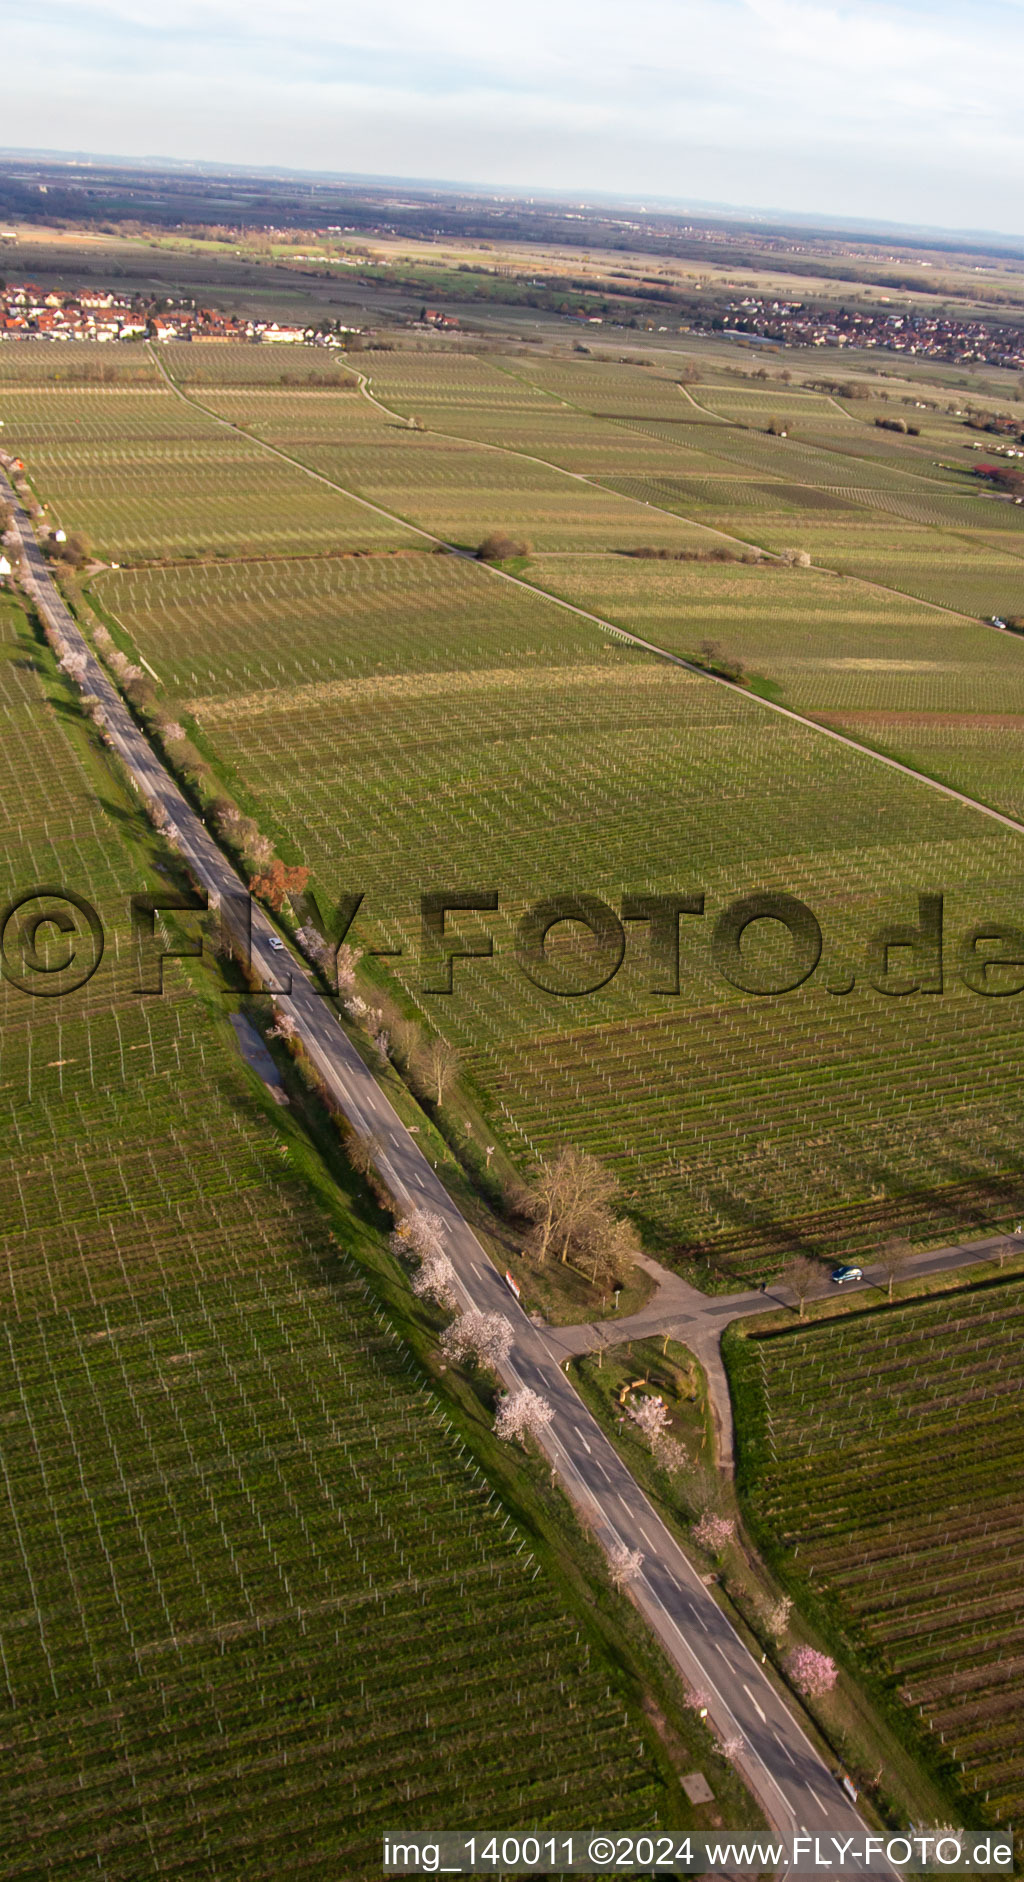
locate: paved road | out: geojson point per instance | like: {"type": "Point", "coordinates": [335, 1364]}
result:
{"type": "Point", "coordinates": [794, 1786]}
{"type": "Point", "coordinates": [699, 1320]}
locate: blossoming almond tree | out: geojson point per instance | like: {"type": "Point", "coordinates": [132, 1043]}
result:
{"type": "Point", "coordinates": [484, 1337]}
{"type": "Point", "coordinates": [714, 1533]}
{"type": "Point", "coordinates": [436, 1280]}
{"type": "Point", "coordinates": [777, 1617]}
{"type": "Point", "coordinates": [625, 1564]}
{"type": "Point", "coordinates": [75, 664]}
{"type": "Point", "coordinates": [811, 1672]}
{"type": "Point", "coordinates": [419, 1233]}
{"type": "Point", "coordinates": [521, 1413]}
{"type": "Point", "coordinates": [651, 1415]}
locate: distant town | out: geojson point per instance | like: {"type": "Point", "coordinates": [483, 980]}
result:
{"type": "Point", "coordinates": [28, 312]}
{"type": "Point", "coordinates": [924, 335]}
{"type": "Point", "coordinates": [31, 312]}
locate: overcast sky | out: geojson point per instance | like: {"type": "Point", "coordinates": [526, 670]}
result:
{"type": "Point", "coordinates": [906, 111]}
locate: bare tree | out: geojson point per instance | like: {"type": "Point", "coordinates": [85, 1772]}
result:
{"type": "Point", "coordinates": [893, 1257]}
{"type": "Point", "coordinates": [436, 1065]}
{"type": "Point", "coordinates": [407, 1036]}
{"type": "Point", "coordinates": [567, 1199]}
{"type": "Point", "coordinates": [541, 1200]}
{"type": "Point", "coordinates": [605, 1246]}
{"type": "Point", "coordinates": [499, 546]}
{"type": "Point", "coordinates": [364, 1150]}
{"type": "Point", "coordinates": [585, 1187]}
{"type": "Point", "coordinates": [1006, 1249]}
{"type": "Point", "coordinates": [800, 1274]}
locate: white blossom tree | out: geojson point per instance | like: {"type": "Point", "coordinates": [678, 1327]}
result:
{"type": "Point", "coordinates": [284, 1027]}
{"type": "Point", "coordinates": [777, 1617]}
{"type": "Point", "coordinates": [348, 959]}
{"type": "Point", "coordinates": [314, 947]}
{"type": "Point", "coordinates": [669, 1454]}
{"type": "Point", "coordinates": [650, 1415]}
{"type": "Point", "coordinates": [74, 664]}
{"type": "Point", "coordinates": [435, 1280]}
{"type": "Point", "coordinates": [521, 1413]}
{"type": "Point", "coordinates": [418, 1233]}
{"type": "Point", "coordinates": [625, 1564]}
{"type": "Point", "coordinates": [483, 1337]}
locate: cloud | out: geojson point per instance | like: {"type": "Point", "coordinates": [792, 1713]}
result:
{"type": "Point", "coordinates": [867, 107]}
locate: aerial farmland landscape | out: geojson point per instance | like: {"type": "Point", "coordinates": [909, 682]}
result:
{"type": "Point", "coordinates": [511, 952]}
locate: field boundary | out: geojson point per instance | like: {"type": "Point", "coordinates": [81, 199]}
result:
{"type": "Point", "coordinates": [624, 634]}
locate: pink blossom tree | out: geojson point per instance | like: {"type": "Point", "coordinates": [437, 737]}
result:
{"type": "Point", "coordinates": [314, 947]}
{"type": "Point", "coordinates": [714, 1533]}
{"type": "Point", "coordinates": [520, 1414]}
{"type": "Point", "coordinates": [811, 1672]}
